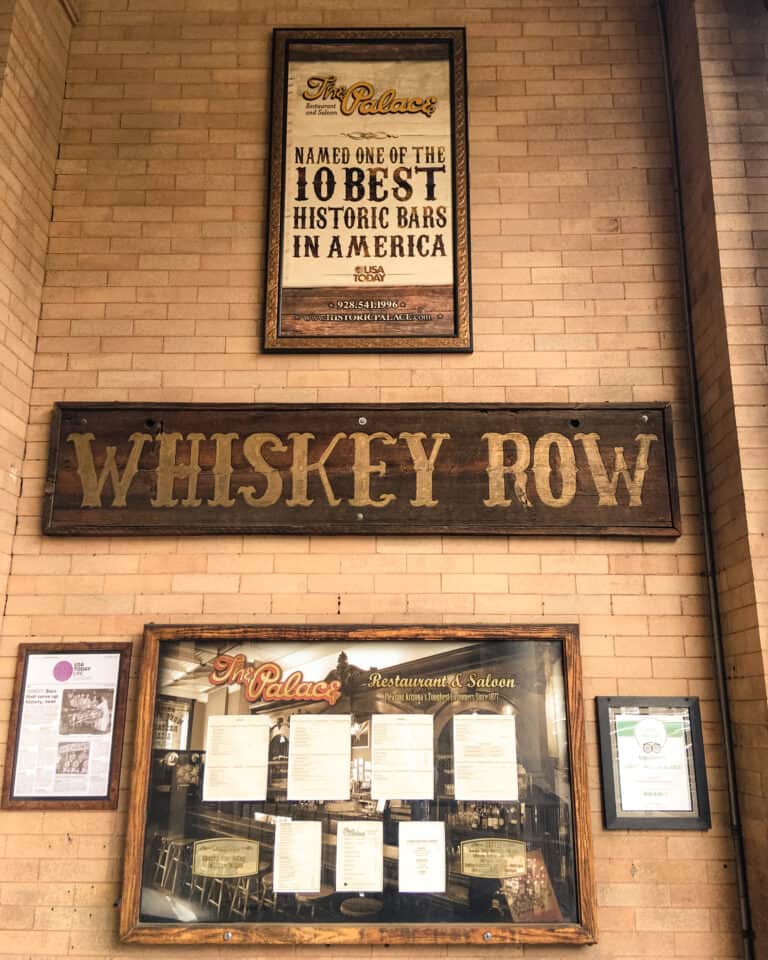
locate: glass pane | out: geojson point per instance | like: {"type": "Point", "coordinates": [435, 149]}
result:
{"type": "Point", "coordinates": [502, 793]}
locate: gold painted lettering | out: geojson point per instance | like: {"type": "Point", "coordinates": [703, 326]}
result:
{"type": "Point", "coordinates": [497, 469]}
{"type": "Point", "coordinates": [606, 486]}
{"type": "Point", "coordinates": [363, 469]}
{"type": "Point", "coordinates": [301, 467]}
{"type": "Point", "coordinates": [423, 465]}
{"type": "Point", "coordinates": [92, 485]}
{"type": "Point", "coordinates": [542, 470]}
{"type": "Point", "coordinates": [222, 470]}
{"type": "Point", "coordinates": [274, 482]}
{"type": "Point", "coordinates": [168, 470]}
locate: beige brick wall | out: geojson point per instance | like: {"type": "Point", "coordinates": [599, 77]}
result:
{"type": "Point", "coordinates": [34, 39]}
{"type": "Point", "coordinates": [154, 291]}
{"type": "Point", "coordinates": [733, 42]}
{"type": "Point", "coordinates": [725, 163]}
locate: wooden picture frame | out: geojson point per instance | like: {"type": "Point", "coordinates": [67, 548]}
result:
{"type": "Point", "coordinates": [534, 670]}
{"type": "Point", "coordinates": [69, 757]}
{"type": "Point", "coordinates": [652, 763]}
{"type": "Point", "coordinates": [368, 230]}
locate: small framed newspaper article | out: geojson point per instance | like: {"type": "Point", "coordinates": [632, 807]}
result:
{"type": "Point", "coordinates": [368, 216]}
{"type": "Point", "coordinates": [65, 739]}
{"type": "Point", "coordinates": [652, 759]}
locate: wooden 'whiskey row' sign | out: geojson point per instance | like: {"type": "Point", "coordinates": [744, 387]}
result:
{"type": "Point", "coordinates": [126, 469]}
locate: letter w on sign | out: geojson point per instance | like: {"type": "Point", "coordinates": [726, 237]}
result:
{"type": "Point", "coordinates": [174, 469]}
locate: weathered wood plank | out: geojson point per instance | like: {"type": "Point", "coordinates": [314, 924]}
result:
{"type": "Point", "coordinates": [368, 311]}
{"type": "Point", "coordinates": [176, 469]}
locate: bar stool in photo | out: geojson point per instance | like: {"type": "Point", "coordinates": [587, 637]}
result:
{"type": "Point", "coordinates": [241, 898]}
{"type": "Point", "coordinates": [361, 908]}
{"type": "Point", "coordinates": [161, 863]}
{"type": "Point", "coordinates": [192, 884]}
{"type": "Point", "coordinates": [217, 890]}
{"type": "Point", "coordinates": [309, 902]}
{"type": "Point", "coordinates": [268, 897]}
{"type": "Point", "coordinates": [270, 900]}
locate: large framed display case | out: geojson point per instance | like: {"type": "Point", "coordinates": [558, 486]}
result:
{"type": "Point", "coordinates": [366, 784]}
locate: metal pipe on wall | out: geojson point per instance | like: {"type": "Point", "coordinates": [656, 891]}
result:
{"type": "Point", "coordinates": [710, 569]}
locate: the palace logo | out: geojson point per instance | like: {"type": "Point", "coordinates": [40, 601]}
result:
{"type": "Point", "coordinates": [362, 98]}
{"type": "Point", "coordinates": [265, 681]}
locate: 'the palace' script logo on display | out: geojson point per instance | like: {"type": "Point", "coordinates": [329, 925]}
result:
{"type": "Point", "coordinates": [361, 97]}
{"type": "Point", "coordinates": [265, 682]}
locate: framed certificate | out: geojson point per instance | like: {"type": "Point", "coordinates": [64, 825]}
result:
{"type": "Point", "coordinates": [368, 219]}
{"type": "Point", "coordinates": [652, 759]}
{"type": "Point", "coordinates": [65, 739]}
{"type": "Point", "coordinates": [354, 785]}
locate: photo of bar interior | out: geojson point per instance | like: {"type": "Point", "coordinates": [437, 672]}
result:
{"type": "Point", "coordinates": [506, 861]}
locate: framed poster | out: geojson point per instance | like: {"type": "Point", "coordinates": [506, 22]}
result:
{"type": "Point", "coordinates": [652, 760]}
{"type": "Point", "coordinates": [362, 784]}
{"type": "Point", "coordinates": [368, 217]}
{"type": "Point", "coordinates": [65, 739]}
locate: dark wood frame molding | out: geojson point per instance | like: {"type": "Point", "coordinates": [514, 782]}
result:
{"type": "Point", "coordinates": [132, 930]}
